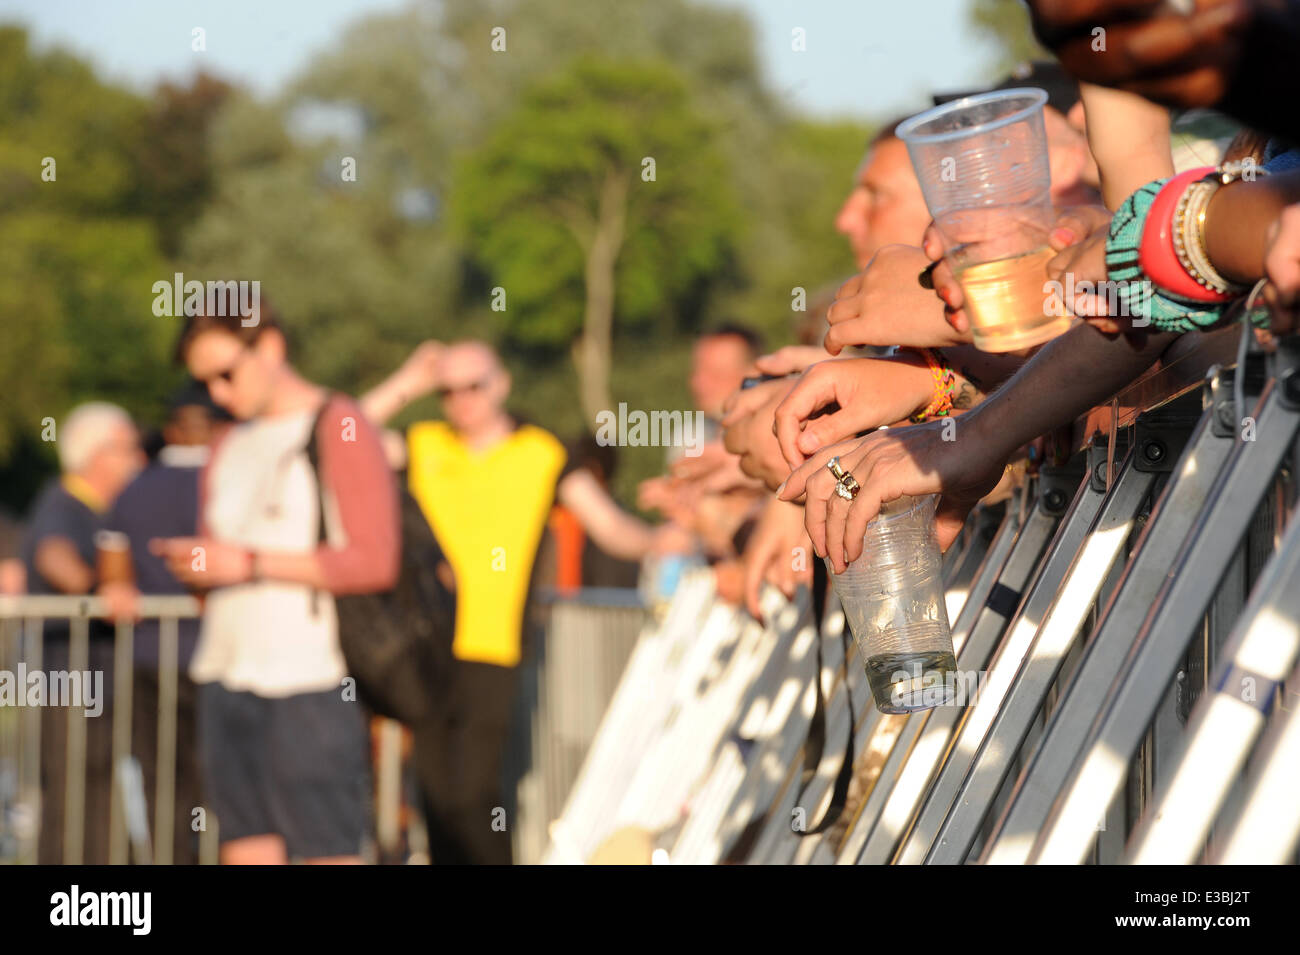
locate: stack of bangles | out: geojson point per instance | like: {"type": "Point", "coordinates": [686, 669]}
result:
{"type": "Point", "coordinates": [1156, 253]}
{"type": "Point", "coordinates": [944, 381]}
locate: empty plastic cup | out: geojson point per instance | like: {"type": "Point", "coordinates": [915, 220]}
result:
{"type": "Point", "coordinates": [893, 602]}
{"type": "Point", "coordinates": [983, 168]}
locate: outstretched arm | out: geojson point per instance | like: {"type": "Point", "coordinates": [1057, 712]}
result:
{"type": "Point", "coordinates": [416, 378]}
{"type": "Point", "coordinates": [614, 530]}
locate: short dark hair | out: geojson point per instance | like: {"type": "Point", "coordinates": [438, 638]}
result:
{"type": "Point", "coordinates": [228, 320]}
{"type": "Point", "coordinates": [752, 339]}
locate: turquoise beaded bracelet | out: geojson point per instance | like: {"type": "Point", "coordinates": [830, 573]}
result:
{"type": "Point", "coordinates": [1138, 296]}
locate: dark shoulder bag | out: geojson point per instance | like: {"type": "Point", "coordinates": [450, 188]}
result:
{"type": "Point", "coordinates": [397, 643]}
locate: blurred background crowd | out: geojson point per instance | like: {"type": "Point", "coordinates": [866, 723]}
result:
{"type": "Point", "coordinates": [465, 255]}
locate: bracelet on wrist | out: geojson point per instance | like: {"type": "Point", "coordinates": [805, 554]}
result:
{"type": "Point", "coordinates": [1134, 252]}
{"type": "Point", "coordinates": [944, 380]}
{"type": "Point", "coordinates": [1157, 255]}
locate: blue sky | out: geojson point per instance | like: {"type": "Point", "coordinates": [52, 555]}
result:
{"type": "Point", "coordinates": [864, 58]}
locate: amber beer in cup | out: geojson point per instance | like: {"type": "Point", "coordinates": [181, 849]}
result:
{"type": "Point", "coordinates": [113, 558]}
{"type": "Point", "coordinates": [983, 168]}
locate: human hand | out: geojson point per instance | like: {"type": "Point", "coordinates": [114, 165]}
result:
{"type": "Point", "coordinates": [870, 392]}
{"type": "Point", "coordinates": [653, 494]}
{"type": "Point", "coordinates": [204, 563]}
{"type": "Point", "coordinates": [729, 581]}
{"type": "Point", "coordinates": [1180, 60]}
{"type": "Point", "coordinates": [790, 360]}
{"type": "Point", "coordinates": [885, 304]}
{"type": "Point", "coordinates": [419, 373]}
{"type": "Point", "coordinates": [778, 552]}
{"type": "Point", "coordinates": [1079, 238]}
{"type": "Point", "coordinates": [671, 538]}
{"type": "Point", "coordinates": [945, 284]}
{"type": "Point", "coordinates": [747, 425]}
{"type": "Point", "coordinates": [122, 599]}
{"type": "Point", "coordinates": [914, 461]}
{"type": "Point", "coordinates": [714, 470]}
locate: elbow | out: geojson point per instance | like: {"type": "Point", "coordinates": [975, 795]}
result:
{"type": "Point", "coordinates": [373, 573]}
{"type": "Point", "coordinates": [389, 569]}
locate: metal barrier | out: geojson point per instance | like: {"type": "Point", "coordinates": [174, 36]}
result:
{"type": "Point", "coordinates": [22, 653]}
{"type": "Point", "coordinates": [588, 639]}
{"type": "Point", "coordinates": [1135, 621]}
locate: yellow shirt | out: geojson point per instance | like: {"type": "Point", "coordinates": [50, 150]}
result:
{"type": "Point", "coordinates": [488, 509]}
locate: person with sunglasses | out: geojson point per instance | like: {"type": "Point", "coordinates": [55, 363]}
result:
{"type": "Point", "coordinates": [487, 482]}
{"type": "Point", "coordinates": [284, 745]}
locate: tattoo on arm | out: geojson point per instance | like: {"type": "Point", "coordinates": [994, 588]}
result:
{"type": "Point", "coordinates": [965, 373]}
{"type": "Point", "coordinates": [965, 397]}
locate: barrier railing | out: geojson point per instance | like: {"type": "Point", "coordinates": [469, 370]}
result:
{"type": "Point", "coordinates": [23, 659]}
{"type": "Point", "coordinates": [587, 639]}
{"type": "Point", "coordinates": [585, 643]}
{"type": "Point", "coordinates": [1134, 624]}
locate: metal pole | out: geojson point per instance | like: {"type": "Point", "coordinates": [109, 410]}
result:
{"type": "Point", "coordinates": [1267, 829]}
{"type": "Point", "coordinates": [74, 793]}
{"type": "Point", "coordinates": [123, 676]}
{"type": "Point", "coordinates": [891, 742]}
{"type": "Point", "coordinates": [1006, 667]}
{"type": "Point", "coordinates": [1173, 517]}
{"type": "Point", "coordinates": [1099, 772]}
{"type": "Point", "coordinates": [1228, 721]}
{"type": "Point", "coordinates": [934, 728]}
{"type": "Point", "coordinates": [165, 763]}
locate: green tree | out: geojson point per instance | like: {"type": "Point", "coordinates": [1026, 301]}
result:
{"type": "Point", "coordinates": [601, 192]}
{"type": "Point", "coordinates": [172, 158]}
{"type": "Point", "coordinates": [1005, 24]}
{"type": "Point", "coordinates": [79, 258]}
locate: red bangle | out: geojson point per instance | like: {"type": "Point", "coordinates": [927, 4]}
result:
{"type": "Point", "coordinates": [1157, 256]}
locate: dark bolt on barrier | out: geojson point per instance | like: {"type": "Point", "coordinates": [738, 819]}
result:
{"type": "Point", "coordinates": [1154, 451]}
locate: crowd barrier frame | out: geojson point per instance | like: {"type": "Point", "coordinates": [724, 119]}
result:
{"type": "Point", "coordinates": [1114, 612]}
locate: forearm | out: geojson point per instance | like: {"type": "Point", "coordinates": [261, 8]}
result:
{"type": "Point", "coordinates": [1237, 223]}
{"type": "Point", "coordinates": [1129, 138]}
{"type": "Point", "coordinates": [386, 399]}
{"type": "Point", "coordinates": [978, 373]}
{"type": "Point", "coordinates": [306, 567]}
{"type": "Point", "coordinates": [291, 567]}
{"type": "Point", "coordinates": [622, 535]}
{"type": "Point", "coordinates": [613, 530]}
{"type": "Point", "coordinates": [1070, 375]}
{"type": "Point", "coordinates": [56, 559]}
{"type": "Point", "coordinates": [913, 383]}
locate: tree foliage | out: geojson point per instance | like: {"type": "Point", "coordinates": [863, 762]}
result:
{"type": "Point", "coordinates": [463, 155]}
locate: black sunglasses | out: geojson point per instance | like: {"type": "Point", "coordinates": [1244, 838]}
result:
{"type": "Point", "coordinates": [445, 393]}
{"type": "Point", "coordinates": [228, 375]}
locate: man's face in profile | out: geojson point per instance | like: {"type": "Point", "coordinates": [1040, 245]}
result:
{"type": "Point", "coordinates": [886, 206]}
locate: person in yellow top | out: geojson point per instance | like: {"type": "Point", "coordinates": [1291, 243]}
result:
{"type": "Point", "coordinates": [486, 483]}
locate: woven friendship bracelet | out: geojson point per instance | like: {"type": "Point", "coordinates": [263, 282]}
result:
{"type": "Point", "coordinates": [944, 380]}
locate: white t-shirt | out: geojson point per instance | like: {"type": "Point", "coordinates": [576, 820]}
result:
{"type": "Point", "coordinates": [274, 639]}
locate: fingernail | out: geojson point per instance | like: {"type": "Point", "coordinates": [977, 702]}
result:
{"type": "Point", "coordinates": [781, 488]}
{"type": "Point", "coordinates": [1062, 236]}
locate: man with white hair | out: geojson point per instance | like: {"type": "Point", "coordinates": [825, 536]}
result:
{"type": "Point", "coordinates": [99, 453]}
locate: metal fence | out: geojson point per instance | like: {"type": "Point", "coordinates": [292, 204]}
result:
{"type": "Point", "coordinates": [132, 834]}
{"type": "Point", "coordinates": [1134, 621]}
{"type": "Point", "coordinates": [586, 640]}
